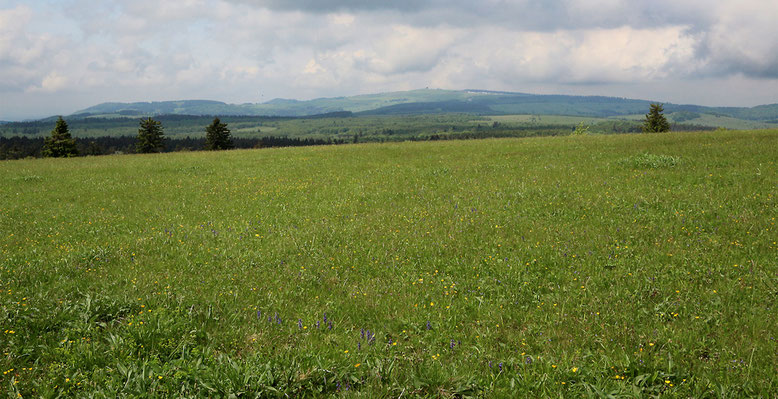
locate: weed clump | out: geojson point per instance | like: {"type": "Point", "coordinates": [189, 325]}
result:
{"type": "Point", "coordinates": [651, 161]}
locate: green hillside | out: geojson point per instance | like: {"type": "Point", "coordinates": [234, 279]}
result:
{"type": "Point", "coordinates": [277, 107]}
{"type": "Point", "coordinates": [590, 266]}
{"type": "Point", "coordinates": [434, 101]}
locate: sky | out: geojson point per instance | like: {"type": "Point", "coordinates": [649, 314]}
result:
{"type": "Point", "coordinates": [60, 56]}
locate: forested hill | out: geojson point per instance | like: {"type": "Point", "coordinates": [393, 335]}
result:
{"type": "Point", "coordinates": [433, 101]}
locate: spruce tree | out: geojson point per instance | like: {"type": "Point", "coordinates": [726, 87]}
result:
{"type": "Point", "coordinates": [217, 136]}
{"type": "Point", "coordinates": [656, 122]}
{"type": "Point", "coordinates": [60, 144]}
{"type": "Point", "coordinates": [150, 137]}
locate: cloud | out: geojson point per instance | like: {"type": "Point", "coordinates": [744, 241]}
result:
{"type": "Point", "coordinates": [404, 49]}
{"type": "Point", "coordinates": [544, 15]}
{"type": "Point", "coordinates": [727, 35]}
{"type": "Point", "coordinates": [741, 41]}
{"type": "Point", "coordinates": [26, 58]}
{"type": "Point", "coordinates": [317, 6]}
{"type": "Point", "coordinates": [253, 50]}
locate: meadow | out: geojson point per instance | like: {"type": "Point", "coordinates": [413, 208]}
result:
{"type": "Point", "coordinates": [627, 265]}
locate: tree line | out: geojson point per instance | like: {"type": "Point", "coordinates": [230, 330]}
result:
{"type": "Point", "coordinates": [150, 139]}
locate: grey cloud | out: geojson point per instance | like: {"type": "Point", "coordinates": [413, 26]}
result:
{"type": "Point", "coordinates": [740, 42]}
{"type": "Point", "coordinates": [544, 15]}
{"type": "Point", "coordinates": [698, 17]}
{"type": "Point", "coordinates": [319, 6]}
{"type": "Point", "coordinates": [734, 63]}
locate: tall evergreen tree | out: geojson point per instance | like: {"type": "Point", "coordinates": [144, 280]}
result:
{"type": "Point", "coordinates": [60, 144]}
{"type": "Point", "coordinates": [656, 122]}
{"type": "Point", "coordinates": [217, 136]}
{"type": "Point", "coordinates": [150, 137]}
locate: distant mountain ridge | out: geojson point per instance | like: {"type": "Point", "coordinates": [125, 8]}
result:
{"type": "Point", "coordinates": [425, 101]}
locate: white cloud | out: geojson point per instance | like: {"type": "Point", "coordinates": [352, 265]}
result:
{"type": "Point", "coordinates": [51, 83]}
{"type": "Point", "coordinates": [26, 58]}
{"type": "Point", "coordinates": [405, 49]}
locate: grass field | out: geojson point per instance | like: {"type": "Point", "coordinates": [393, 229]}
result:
{"type": "Point", "coordinates": [729, 123]}
{"type": "Point", "coordinates": [623, 265]}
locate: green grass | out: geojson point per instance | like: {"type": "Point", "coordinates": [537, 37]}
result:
{"type": "Point", "coordinates": [544, 267]}
{"type": "Point", "coordinates": [651, 161]}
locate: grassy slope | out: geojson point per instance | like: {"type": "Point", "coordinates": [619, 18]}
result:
{"type": "Point", "coordinates": [577, 264]}
{"type": "Point", "coordinates": [728, 122]}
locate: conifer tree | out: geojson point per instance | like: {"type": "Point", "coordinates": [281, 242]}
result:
{"type": "Point", "coordinates": [60, 144]}
{"type": "Point", "coordinates": [217, 136]}
{"type": "Point", "coordinates": [150, 137]}
{"type": "Point", "coordinates": [656, 122]}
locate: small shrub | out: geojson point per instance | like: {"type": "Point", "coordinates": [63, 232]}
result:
{"type": "Point", "coordinates": [581, 129]}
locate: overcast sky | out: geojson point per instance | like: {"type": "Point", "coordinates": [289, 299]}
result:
{"type": "Point", "coordinates": [59, 56]}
